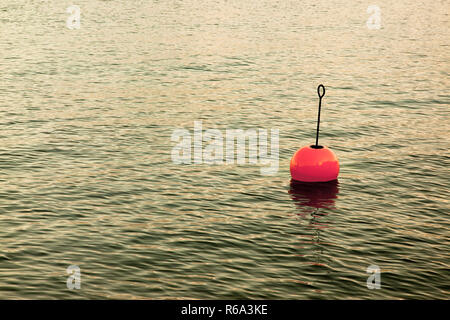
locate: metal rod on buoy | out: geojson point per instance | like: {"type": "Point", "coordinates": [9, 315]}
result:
{"type": "Point", "coordinates": [318, 117]}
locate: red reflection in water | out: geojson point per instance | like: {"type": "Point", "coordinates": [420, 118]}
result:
{"type": "Point", "coordinates": [320, 195]}
{"type": "Point", "coordinates": [310, 199]}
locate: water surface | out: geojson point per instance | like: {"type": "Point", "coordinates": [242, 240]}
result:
{"type": "Point", "coordinates": [86, 176]}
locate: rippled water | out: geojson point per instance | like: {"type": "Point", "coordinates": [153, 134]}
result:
{"type": "Point", "coordinates": [87, 179]}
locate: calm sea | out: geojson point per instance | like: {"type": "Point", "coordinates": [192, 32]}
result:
{"type": "Point", "coordinates": [87, 177]}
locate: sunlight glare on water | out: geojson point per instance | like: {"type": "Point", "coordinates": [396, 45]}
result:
{"type": "Point", "coordinates": [87, 179]}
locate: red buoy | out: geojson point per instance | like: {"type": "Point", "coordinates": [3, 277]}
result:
{"type": "Point", "coordinates": [311, 164]}
{"type": "Point", "coordinates": [314, 195]}
{"type": "Point", "coordinates": [315, 163]}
